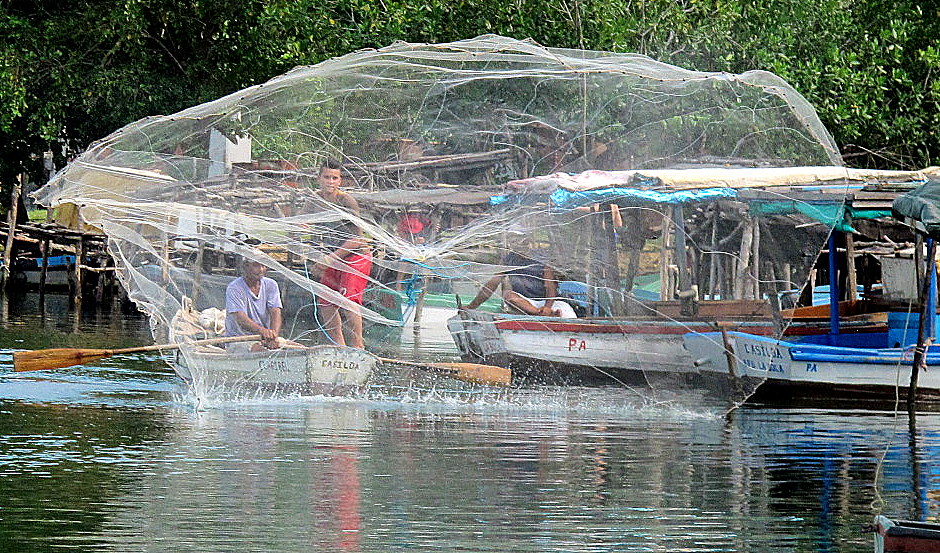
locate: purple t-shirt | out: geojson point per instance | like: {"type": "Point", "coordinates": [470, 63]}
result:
{"type": "Point", "coordinates": [238, 297]}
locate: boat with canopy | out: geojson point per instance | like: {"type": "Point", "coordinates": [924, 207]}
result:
{"type": "Point", "coordinates": [898, 365]}
{"type": "Point", "coordinates": [725, 246]}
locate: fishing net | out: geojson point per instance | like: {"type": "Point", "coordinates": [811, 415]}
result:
{"type": "Point", "coordinates": [663, 200]}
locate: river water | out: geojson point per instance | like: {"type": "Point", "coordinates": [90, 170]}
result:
{"type": "Point", "coordinates": [116, 456]}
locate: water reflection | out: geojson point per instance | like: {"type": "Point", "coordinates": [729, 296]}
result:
{"type": "Point", "coordinates": [113, 457]}
{"type": "Point", "coordinates": [342, 475]}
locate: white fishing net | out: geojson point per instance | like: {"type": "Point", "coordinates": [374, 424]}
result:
{"type": "Point", "coordinates": [600, 165]}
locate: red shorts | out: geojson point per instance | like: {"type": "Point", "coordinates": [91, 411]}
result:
{"type": "Point", "coordinates": [351, 280]}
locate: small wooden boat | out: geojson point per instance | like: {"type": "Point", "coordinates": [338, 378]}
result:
{"type": "Point", "coordinates": [322, 369]}
{"type": "Point", "coordinates": [906, 536]}
{"type": "Point", "coordinates": [331, 370]}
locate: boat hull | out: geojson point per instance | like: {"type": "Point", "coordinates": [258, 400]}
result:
{"type": "Point", "coordinates": [314, 370]}
{"type": "Point", "coordinates": [800, 371]}
{"type": "Point", "coordinates": [905, 536]}
{"type": "Point", "coordinates": [581, 350]}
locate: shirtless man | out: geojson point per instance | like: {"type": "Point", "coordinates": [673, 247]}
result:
{"type": "Point", "coordinates": [529, 288]}
{"type": "Point", "coordinates": [347, 266]}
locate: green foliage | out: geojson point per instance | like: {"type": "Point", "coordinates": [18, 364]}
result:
{"type": "Point", "coordinates": [72, 72]}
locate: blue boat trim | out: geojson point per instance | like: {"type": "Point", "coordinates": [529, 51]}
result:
{"type": "Point", "coordinates": [836, 354]}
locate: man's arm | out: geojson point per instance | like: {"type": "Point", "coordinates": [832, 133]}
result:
{"type": "Point", "coordinates": [277, 321]}
{"type": "Point", "coordinates": [551, 288]}
{"type": "Point", "coordinates": [349, 203]}
{"type": "Point", "coordinates": [485, 292]}
{"type": "Point", "coordinates": [246, 324]}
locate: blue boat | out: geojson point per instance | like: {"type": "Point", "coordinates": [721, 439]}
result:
{"type": "Point", "coordinates": [899, 364]}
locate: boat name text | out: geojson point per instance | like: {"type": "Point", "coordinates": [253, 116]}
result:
{"type": "Point", "coordinates": [575, 344]}
{"type": "Point", "coordinates": [273, 365]}
{"type": "Point", "coordinates": [761, 357]}
{"type": "Point", "coordinates": [339, 365]}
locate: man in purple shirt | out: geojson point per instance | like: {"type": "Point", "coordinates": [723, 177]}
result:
{"type": "Point", "coordinates": [253, 306]}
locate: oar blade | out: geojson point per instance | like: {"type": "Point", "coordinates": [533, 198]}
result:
{"type": "Point", "coordinates": [476, 373]}
{"type": "Point", "coordinates": [59, 358]}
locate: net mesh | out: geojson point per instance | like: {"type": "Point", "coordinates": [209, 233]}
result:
{"type": "Point", "coordinates": [458, 160]}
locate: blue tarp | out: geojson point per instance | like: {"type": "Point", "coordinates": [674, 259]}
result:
{"type": "Point", "coordinates": [567, 199]}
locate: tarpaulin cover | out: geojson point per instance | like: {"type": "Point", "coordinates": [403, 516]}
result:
{"type": "Point", "coordinates": [921, 204]}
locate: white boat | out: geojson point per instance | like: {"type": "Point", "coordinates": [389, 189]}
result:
{"type": "Point", "coordinates": [330, 370]}
{"type": "Point", "coordinates": [321, 369]}
{"type": "Point", "coordinates": [605, 348]}
{"type": "Point", "coordinates": [670, 242]}
{"type": "Point", "coordinates": [580, 350]}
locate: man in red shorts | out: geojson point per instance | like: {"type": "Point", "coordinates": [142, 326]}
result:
{"type": "Point", "coordinates": [347, 266]}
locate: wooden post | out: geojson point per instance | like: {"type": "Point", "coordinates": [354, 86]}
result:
{"type": "Point", "coordinates": [419, 308]}
{"type": "Point", "coordinates": [833, 286]}
{"type": "Point", "coordinates": [755, 260]}
{"type": "Point", "coordinates": [852, 283]}
{"type": "Point", "coordinates": [722, 276]}
{"type": "Point", "coordinates": [102, 276]}
{"type": "Point", "coordinates": [743, 267]}
{"type": "Point", "coordinates": [197, 269]}
{"type": "Point", "coordinates": [165, 261]}
{"type": "Point", "coordinates": [729, 350]}
{"type": "Point", "coordinates": [773, 284]}
{"type": "Point", "coordinates": [44, 247]}
{"type": "Point", "coordinates": [680, 250]}
{"type": "Point", "coordinates": [928, 308]}
{"type": "Point", "coordinates": [665, 276]}
{"type": "Point", "coordinates": [612, 270]}
{"type": "Point", "coordinates": [633, 239]}
{"type": "Point", "coordinates": [712, 262]}
{"type": "Point", "coordinates": [79, 262]}
{"type": "Point", "coordinates": [11, 228]}
{"type": "Point", "coordinates": [812, 286]}
{"type": "Point", "coordinates": [918, 262]}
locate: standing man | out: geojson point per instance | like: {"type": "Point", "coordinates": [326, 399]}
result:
{"type": "Point", "coordinates": [253, 306]}
{"type": "Point", "coordinates": [348, 264]}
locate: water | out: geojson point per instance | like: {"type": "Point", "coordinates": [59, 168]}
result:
{"type": "Point", "coordinates": [114, 457]}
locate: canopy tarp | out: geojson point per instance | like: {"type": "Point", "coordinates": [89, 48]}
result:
{"type": "Point", "coordinates": [836, 215]}
{"type": "Point", "coordinates": [744, 177]}
{"type": "Point", "coordinates": [922, 205]}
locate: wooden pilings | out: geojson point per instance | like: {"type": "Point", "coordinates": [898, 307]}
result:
{"type": "Point", "coordinates": [11, 224]}
{"type": "Point", "coordinates": [35, 250]}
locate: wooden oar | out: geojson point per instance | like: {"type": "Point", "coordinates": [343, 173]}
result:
{"type": "Point", "coordinates": [476, 373]}
{"type": "Point", "coordinates": [58, 358]}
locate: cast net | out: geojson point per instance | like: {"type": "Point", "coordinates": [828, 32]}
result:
{"type": "Point", "coordinates": [664, 201]}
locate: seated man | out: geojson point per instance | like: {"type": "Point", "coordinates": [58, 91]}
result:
{"type": "Point", "coordinates": [253, 306]}
{"type": "Point", "coordinates": [529, 288]}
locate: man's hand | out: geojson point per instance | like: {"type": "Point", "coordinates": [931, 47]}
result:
{"type": "Point", "coordinates": [268, 338]}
